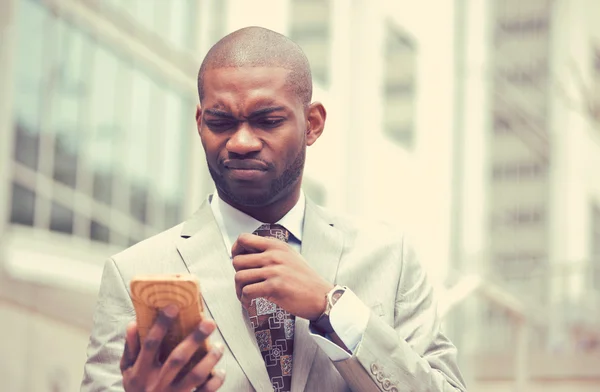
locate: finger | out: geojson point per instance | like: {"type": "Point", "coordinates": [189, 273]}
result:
{"type": "Point", "coordinates": [214, 383]}
{"type": "Point", "coordinates": [154, 338]}
{"type": "Point", "coordinates": [131, 348]}
{"type": "Point", "coordinates": [184, 351]}
{"type": "Point", "coordinates": [253, 291]}
{"type": "Point", "coordinates": [202, 371]}
{"type": "Point", "coordinates": [247, 261]}
{"type": "Point", "coordinates": [239, 248]}
{"type": "Point", "coordinates": [250, 243]}
{"type": "Point", "coordinates": [247, 277]}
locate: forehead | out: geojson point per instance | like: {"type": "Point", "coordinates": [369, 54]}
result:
{"type": "Point", "coordinates": [241, 89]}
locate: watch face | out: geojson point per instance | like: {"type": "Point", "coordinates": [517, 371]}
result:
{"type": "Point", "coordinates": [336, 295]}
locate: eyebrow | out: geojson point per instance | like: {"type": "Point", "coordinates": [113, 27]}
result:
{"type": "Point", "coordinates": [219, 113]}
{"type": "Point", "coordinates": [254, 114]}
{"type": "Point", "coordinates": [267, 110]}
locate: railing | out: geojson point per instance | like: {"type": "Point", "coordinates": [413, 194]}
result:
{"type": "Point", "coordinates": [570, 322]}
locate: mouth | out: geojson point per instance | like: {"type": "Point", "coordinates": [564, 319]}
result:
{"type": "Point", "coordinates": [246, 169]}
{"type": "Point", "coordinates": [245, 164]}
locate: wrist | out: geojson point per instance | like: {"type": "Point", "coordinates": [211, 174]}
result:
{"type": "Point", "coordinates": [322, 302]}
{"type": "Point", "coordinates": [323, 323]}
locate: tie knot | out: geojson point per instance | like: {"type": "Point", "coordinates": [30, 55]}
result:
{"type": "Point", "coordinates": [273, 230]}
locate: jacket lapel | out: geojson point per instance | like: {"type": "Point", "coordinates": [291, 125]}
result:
{"type": "Point", "coordinates": [206, 256]}
{"type": "Point", "coordinates": [322, 246]}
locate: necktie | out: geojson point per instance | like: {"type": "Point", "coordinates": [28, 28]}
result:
{"type": "Point", "coordinates": [274, 327]}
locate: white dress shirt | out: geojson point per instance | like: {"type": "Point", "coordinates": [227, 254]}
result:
{"type": "Point", "coordinates": [348, 317]}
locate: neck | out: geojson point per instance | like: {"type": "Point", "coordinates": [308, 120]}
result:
{"type": "Point", "coordinates": [270, 213]}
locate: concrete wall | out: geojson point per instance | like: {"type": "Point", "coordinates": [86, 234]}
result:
{"type": "Point", "coordinates": [39, 353]}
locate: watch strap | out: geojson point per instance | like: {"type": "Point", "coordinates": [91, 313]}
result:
{"type": "Point", "coordinates": [323, 323]}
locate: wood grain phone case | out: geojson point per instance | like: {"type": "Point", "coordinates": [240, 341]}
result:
{"type": "Point", "coordinates": [151, 293]}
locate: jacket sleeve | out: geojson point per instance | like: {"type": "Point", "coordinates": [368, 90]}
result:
{"type": "Point", "coordinates": [411, 355]}
{"type": "Point", "coordinates": [114, 311]}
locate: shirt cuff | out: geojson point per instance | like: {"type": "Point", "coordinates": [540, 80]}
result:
{"type": "Point", "coordinates": [348, 317]}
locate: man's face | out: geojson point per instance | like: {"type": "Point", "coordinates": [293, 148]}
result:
{"type": "Point", "coordinates": [253, 129]}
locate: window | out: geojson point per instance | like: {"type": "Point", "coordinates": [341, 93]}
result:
{"type": "Point", "coordinates": [217, 27]}
{"type": "Point", "coordinates": [594, 104]}
{"type": "Point", "coordinates": [525, 216]}
{"type": "Point", "coordinates": [171, 21]}
{"type": "Point", "coordinates": [518, 264]}
{"type": "Point", "coordinates": [527, 75]}
{"type": "Point", "coordinates": [595, 245]}
{"type": "Point", "coordinates": [516, 20]}
{"type": "Point", "coordinates": [399, 86]}
{"type": "Point", "coordinates": [310, 28]}
{"type": "Point", "coordinates": [535, 24]}
{"type": "Point", "coordinates": [99, 141]}
{"type": "Point", "coordinates": [519, 171]}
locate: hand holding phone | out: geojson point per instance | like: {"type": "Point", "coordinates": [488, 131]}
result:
{"type": "Point", "coordinates": [152, 293]}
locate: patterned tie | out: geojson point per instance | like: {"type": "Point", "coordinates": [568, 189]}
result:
{"type": "Point", "coordinates": [274, 327]}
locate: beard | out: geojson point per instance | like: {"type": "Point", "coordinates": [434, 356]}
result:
{"type": "Point", "coordinates": [278, 186]}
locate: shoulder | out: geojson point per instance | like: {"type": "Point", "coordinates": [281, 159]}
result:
{"type": "Point", "coordinates": [164, 244]}
{"type": "Point", "coordinates": [156, 247]}
{"type": "Point", "coordinates": [358, 230]}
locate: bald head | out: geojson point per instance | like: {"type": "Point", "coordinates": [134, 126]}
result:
{"type": "Point", "coordinates": [260, 47]}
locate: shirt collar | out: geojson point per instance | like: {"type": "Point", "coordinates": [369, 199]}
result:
{"type": "Point", "coordinates": [233, 222]}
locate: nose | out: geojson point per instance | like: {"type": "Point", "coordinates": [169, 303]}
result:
{"type": "Point", "coordinates": [243, 141]}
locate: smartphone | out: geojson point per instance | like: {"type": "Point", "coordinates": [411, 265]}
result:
{"type": "Point", "coordinates": [151, 293]}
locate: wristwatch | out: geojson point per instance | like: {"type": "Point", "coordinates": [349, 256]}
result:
{"type": "Point", "coordinates": [322, 324]}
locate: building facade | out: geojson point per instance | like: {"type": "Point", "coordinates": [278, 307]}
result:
{"type": "Point", "coordinates": [528, 116]}
{"type": "Point", "coordinates": [99, 148]}
{"type": "Point", "coordinates": [469, 126]}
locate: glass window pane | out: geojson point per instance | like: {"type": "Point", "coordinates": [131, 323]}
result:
{"type": "Point", "coordinates": [99, 232]}
{"type": "Point", "coordinates": [399, 86]}
{"type": "Point", "coordinates": [218, 22]}
{"type": "Point", "coordinates": [31, 24]}
{"type": "Point", "coordinates": [69, 74]}
{"type": "Point", "coordinates": [26, 147]}
{"type": "Point", "coordinates": [162, 18]}
{"type": "Point", "coordinates": [139, 201]}
{"type": "Point", "coordinates": [595, 248]}
{"type": "Point", "coordinates": [68, 96]}
{"type": "Point", "coordinates": [98, 147]}
{"type": "Point", "coordinates": [61, 219]}
{"type": "Point", "coordinates": [172, 21]}
{"type": "Point", "coordinates": [132, 241]}
{"type": "Point", "coordinates": [65, 162]}
{"type": "Point", "coordinates": [102, 187]}
{"type": "Point", "coordinates": [173, 211]}
{"type": "Point", "coordinates": [182, 14]}
{"type": "Point", "coordinates": [179, 118]}
{"type": "Point", "coordinates": [169, 175]}
{"type": "Point", "coordinates": [136, 162]}
{"type": "Point", "coordinates": [310, 28]}
{"type": "Point", "coordinates": [23, 205]}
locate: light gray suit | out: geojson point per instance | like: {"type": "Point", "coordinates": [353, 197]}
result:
{"type": "Point", "coordinates": [402, 348]}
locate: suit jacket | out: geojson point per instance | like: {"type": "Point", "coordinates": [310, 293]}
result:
{"type": "Point", "coordinates": [402, 348]}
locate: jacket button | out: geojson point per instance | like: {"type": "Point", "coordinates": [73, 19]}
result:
{"type": "Point", "coordinates": [374, 369]}
{"type": "Point", "coordinates": [387, 384]}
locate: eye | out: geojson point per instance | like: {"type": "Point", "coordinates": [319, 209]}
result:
{"type": "Point", "coordinates": [220, 125]}
{"type": "Point", "coordinates": [268, 122]}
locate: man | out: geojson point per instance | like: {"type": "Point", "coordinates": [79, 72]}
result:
{"type": "Point", "coordinates": [350, 303]}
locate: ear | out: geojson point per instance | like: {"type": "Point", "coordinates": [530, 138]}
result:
{"type": "Point", "coordinates": [316, 115]}
{"type": "Point", "coordinates": [198, 117]}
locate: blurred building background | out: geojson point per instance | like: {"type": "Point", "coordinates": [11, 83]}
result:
{"type": "Point", "coordinates": [474, 124]}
